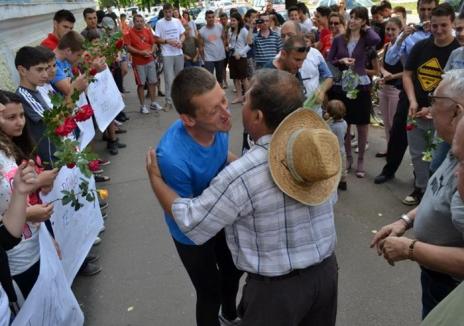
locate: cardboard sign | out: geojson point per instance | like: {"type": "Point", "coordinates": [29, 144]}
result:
{"type": "Point", "coordinates": [75, 231]}
{"type": "Point", "coordinates": [51, 301]}
{"type": "Point", "coordinates": [87, 130]}
{"type": "Point", "coordinates": [105, 98]}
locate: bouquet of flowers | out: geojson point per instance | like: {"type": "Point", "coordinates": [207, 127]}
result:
{"type": "Point", "coordinates": [350, 82]}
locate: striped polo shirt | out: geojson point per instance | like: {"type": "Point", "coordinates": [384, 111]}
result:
{"type": "Point", "coordinates": [266, 48]}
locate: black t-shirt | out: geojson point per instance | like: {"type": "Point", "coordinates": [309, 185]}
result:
{"type": "Point", "coordinates": [427, 62]}
{"type": "Point", "coordinates": [379, 28]}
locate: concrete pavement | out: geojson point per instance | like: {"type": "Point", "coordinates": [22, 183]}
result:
{"type": "Point", "coordinates": [144, 283]}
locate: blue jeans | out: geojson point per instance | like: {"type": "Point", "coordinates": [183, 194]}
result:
{"type": "Point", "coordinates": [190, 63]}
{"type": "Point", "coordinates": [435, 287]}
{"type": "Point", "coordinates": [438, 156]}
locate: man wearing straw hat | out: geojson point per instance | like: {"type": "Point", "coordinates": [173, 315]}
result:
{"type": "Point", "coordinates": [276, 206]}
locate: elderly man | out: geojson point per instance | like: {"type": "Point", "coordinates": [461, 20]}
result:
{"type": "Point", "coordinates": [276, 209]}
{"type": "Point", "coordinates": [266, 42]}
{"type": "Point", "coordinates": [437, 222]}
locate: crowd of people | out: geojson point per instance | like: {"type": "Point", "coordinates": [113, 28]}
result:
{"type": "Point", "coordinates": [269, 212]}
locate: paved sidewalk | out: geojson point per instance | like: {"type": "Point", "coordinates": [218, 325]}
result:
{"type": "Point", "coordinates": [143, 281]}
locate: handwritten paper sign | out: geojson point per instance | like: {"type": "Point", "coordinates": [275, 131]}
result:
{"type": "Point", "coordinates": [51, 301]}
{"type": "Point", "coordinates": [87, 130]}
{"type": "Point", "coordinates": [105, 98]}
{"type": "Point", "coordinates": [75, 231]}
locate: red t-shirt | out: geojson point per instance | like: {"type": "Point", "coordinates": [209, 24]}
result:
{"type": "Point", "coordinates": [325, 37]}
{"type": "Point", "coordinates": [50, 42]}
{"type": "Point", "coordinates": [141, 40]}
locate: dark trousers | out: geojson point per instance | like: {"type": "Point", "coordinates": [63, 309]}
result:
{"type": "Point", "coordinates": [26, 280]}
{"type": "Point", "coordinates": [218, 66]}
{"type": "Point", "coordinates": [398, 141]}
{"type": "Point", "coordinates": [307, 297]}
{"type": "Point", "coordinates": [117, 75]}
{"type": "Point", "coordinates": [215, 278]}
{"type": "Point", "coordinates": [435, 287]}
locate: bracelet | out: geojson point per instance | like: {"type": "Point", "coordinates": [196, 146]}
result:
{"type": "Point", "coordinates": [407, 220]}
{"type": "Point", "coordinates": [411, 250]}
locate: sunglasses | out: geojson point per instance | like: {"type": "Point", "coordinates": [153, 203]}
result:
{"type": "Point", "coordinates": [301, 49]}
{"type": "Point", "coordinates": [334, 23]}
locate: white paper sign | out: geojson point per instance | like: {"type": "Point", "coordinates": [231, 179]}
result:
{"type": "Point", "coordinates": [75, 231]}
{"type": "Point", "coordinates": [51, 301]}
{"type": "Point", "coordinates": [86, 127]}
{"type": "Point", "coordinates": [105, 98]}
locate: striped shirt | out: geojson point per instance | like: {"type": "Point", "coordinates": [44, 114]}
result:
{"type": "Point", "coordinates": [268, 233]}
{"type": "Point", "coordinates": [266, 48]}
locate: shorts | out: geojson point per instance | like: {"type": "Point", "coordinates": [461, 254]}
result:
{"type": "Point", "coordinates": [145, 73]}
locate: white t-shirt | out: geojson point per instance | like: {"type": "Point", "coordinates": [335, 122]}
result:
{"type": "Point", "coordinates": [307, 24]}
{"type": "Point", "coordinates": [4, 308]}
{"type": "Point", "coordinates": [214, 46]}
{"type": "Point", "coordinates": [238, 43]}
{"type": "Point", "coordinates": [310, 75]}
{"type": "Point", "coordinates": [27, 252]}
{"type": "Point", "coordinates": [169, 30]}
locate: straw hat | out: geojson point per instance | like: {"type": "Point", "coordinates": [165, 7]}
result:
{"type": "Point", "coordinates": [304, 158]}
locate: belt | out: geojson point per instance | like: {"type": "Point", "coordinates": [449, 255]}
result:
{"type": "Point", "coordinates": [293, 273]}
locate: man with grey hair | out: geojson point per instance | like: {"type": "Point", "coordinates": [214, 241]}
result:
{"type": "Point", "coordinates": [285, 243]}
{"type": "Point", "coordinates": [438, 222]}
{"type": "Point", "coordinates": [289, 28]}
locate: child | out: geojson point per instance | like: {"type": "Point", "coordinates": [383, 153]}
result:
{"type": "Point", "coordinates": [336, 111]}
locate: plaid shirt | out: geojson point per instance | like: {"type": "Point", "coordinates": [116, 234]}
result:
{"type": "Point", "coordinates": [268, 233]}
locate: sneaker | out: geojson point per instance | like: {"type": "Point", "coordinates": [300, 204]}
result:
{"type": "Point", "coordinates": [155, 106]}
{"type": "Point", "coordinates": [118, 123]}
{"type": "Point", "coordinates": [97, 241]}
{"type": "Point", "coordinates": [167, 107]}
{"type": "Point", "coordinates": [112, 147]}
{"type": "Point", "coordinates": [101, 178]}
{"type": "Point", "coordinates": [120, 145]}
{"type": "Point", "coordinates": [121, 131]}
{"type": "Point", "coordinates": [144, 110]}
{"type": "Point", "coordinates": [354, 143]}
{"type": "Point", "coordinates": [357, 148]}
{"type": "Point", "coordinates": [104, 216]}
{"type": "Point", "coordinates": [226, 322]}
{"type": "Point", "coordinates": [104, 205]}
{"type": "Point", "coordinates": [103, 228]}
{"type": "Point", "coordinates": [97, 171]}
{"type": "Point", "coordinates": [91, 258]}
{"type": "Point", "coordinates": [103, 162]}
{"type": "Point", "coordinates": [89, 269]}
{"type": "Point", "coordinates": [414, 198]}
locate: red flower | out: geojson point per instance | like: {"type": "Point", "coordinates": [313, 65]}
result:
{"type": "Point", "coordinates": [87, 58]}
{"type": "Point", "coordinates": [410, 127]}
{"type": "Point", "coordinates": [84, 113]}
{"type": "Point", "coordinates": [119, 44]}
{"type": "Point", "coordinates": [66, 128]}
{"type": "Point", "coordinates": [70, 165]}
{"type": "Point", "coordinates": [75, 71]}
{"type": "Point", "coordinates": [93, 72]}
{"type": "Point", "coordinates": [94, 165]}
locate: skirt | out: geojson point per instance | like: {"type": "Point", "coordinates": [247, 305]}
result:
{"type": "Point", "coordinates": [238, 68]}
{"type": "Point", "coordinates": [358, 111]}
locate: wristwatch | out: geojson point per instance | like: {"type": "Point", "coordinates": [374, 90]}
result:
{"type": "Point", "coordinates": [407, 220]}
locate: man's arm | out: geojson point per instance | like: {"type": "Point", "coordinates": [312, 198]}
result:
{"type": "Point", "coordinates": [396, 50]}
{"type": "Point", "coordinates": [408, 86]}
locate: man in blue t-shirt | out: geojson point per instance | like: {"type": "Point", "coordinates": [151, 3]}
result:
{"type": "Point", "coordinates": [190, 154]}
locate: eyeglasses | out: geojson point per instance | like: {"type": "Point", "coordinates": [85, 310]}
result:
{"type": "Point", "coordinates": [301, 49]}
{"type": "Point", "coordinates": [334, 23]}
{"type": "Point", "coordinates": [433, 99]}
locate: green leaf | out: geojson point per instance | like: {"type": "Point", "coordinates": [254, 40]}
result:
{"type": "Point", "coordinates": [65, 200]}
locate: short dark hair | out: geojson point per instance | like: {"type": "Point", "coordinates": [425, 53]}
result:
{"type": "Point", "coordinates": [249, 12]}
{"type": "Point", "coordinates": [122, 16]}
{"type": "Point", "coordinates": [88, 11]}
{"type": "Point", "coordinates": [29, 56]}
{"type": "Point", "coordinates": [302, 7]}
{"type": "Point", "coordinates": [323, 11]}
{"type": "Point", "coordinates": [209, 12]}
{"type": "Point", "coordinates": [443, 10]}
{"type": "Point", "coordinates": [287, 95]}
{"type": "Point", "coordinates": [291, 8]}
{"type": "Point", "coordinates": [384, 4]}
{"type": "Point", "coordinates": [137, 15]}
{"type": "Point", "coordinates": [335, 8]}
{"type": "Point", "coordinates": [375, 10]}
{"type": "Point", "coordinates": [401, 10]}
{"type": "Point", "coordinates": [7, 97]}
{"type": "Point", "coordinates": [167, 6]}
{"type": "Point", "coordinates": [64, 15]}
{"type": "Point", "coordinates": [427, 1]}
{"type": "Point", "coordinates": [49, 54]}
{"type": "Point", "coordinates": [336, 109]}
{"type": "Point", "coordinates": [189, 83]}
{"type": "Point", "coordinates": [223, 15]}
{"type": "Point", "coordinates": [339, 16]}
{"type": "Point", "coordinates": [71, 40]}
{"type": "Point", "coordinates": [292, 42]}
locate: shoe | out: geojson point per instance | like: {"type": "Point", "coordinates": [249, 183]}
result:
{"type": "Point", "coordinates": [380, 154]}
{"type": "Point", "coordinates": [225, 322]}
{"type": "Point", "coordinates": [91, 258]}
{"type": "Point", "coordinates": [102, 178]}
{"type": "Point", "coordinates": [360, 174]}
{"type": "Point", "coordinates": [381, 178]}
{"type": "Point", "coordinates": [342, 186]}
{"type": "Point", "coordinates": [354, 143]}
{"type": "Point", "coordinates": [89, 269]}
{"type": "Point", "coordinates": [357, 148]}
{"type": "Point", "coordinates": [97, 171]}
{"type": "Point", "coordinates": [160, 93]}
{"type": "Point", "coordinates": [413, 198]}
{"type": "Point", "coordinates": [104, 162]}
{"type": "Point", "coordinates": [167, 107]}
{"type": "Point", "coordinates": [120, 145]}
{"type": "Point", "coordinates": [104, 205]}
{"type": "Point", "coordinates": [112, 147]}
{"type": "Point", "coordinates": [97, 241]}
{"type": "Point", "coordinates": [155, 106]}
{"type": "Point", "coordinates": [144, 110]}
{"type": "Point", "coordinates": [104, 216]}
{"type": "Point", "coordinates": [118, 123]}
{"type": "Point", "coordinates": [121, 131]}
{"type": "Point", "coordinates": [103, 228]}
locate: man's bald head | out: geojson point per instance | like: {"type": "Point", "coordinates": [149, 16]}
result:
{"type": "Point", "coordinates": [290, 28]}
